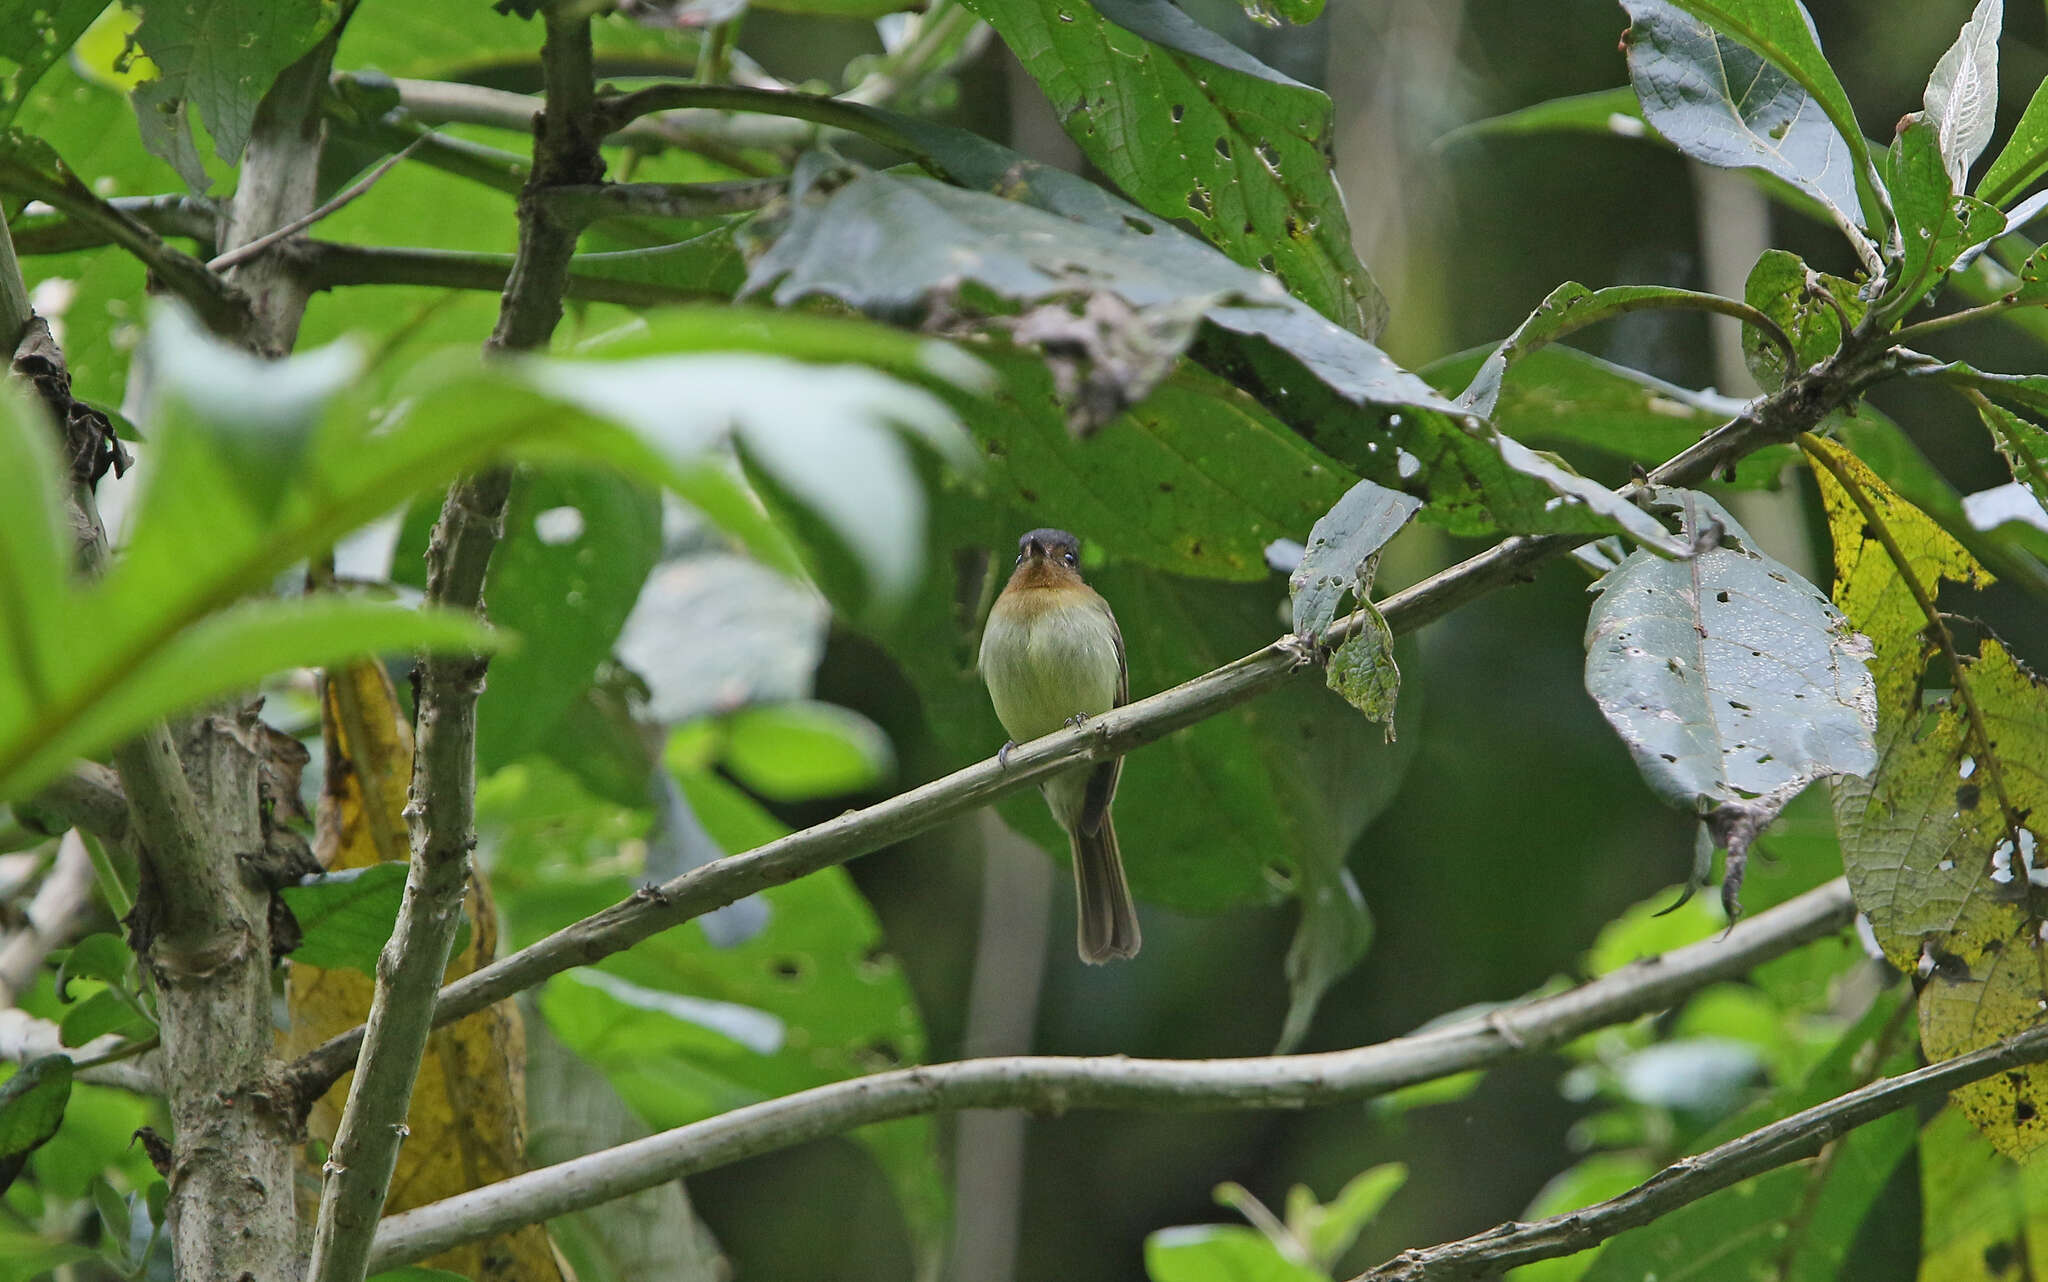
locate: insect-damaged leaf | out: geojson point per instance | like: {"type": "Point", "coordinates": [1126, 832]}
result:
{"type": "Point", "coordinates": [1343, 551]}
{"type": "Point", "coordinates": [1733, 681]}
{"type": "Point", "coordinates": [1941, 843]}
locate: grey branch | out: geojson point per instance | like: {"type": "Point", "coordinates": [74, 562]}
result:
{"type": "Point", "coordinates": [88, 797]}
{"type": "Point", "coordinates": [329, 265]}
{"type": "Point", "coordinates": [1783, 1142]}
{"type": "Point", "coordinates": [52, 232]}
{"type": "Point", "coordinates": [244, 252]}
{"type": "Point", "coordinates": [23, 1037]}
{"type": "Point", "coordinates": [1780, 417]}
{"type": "Point", "coordinates": [1058, 1084]}
{"type": "Point", "coordinates": [441, 810]}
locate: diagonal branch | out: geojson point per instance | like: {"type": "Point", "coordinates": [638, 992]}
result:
{"type": "Point", "coordinates": [1801, 404]}
{"type": "Point", "coordinates": [1060, 1083]}
{"type": "Point", "coordinates": [1689, 1179]}
{"type": "Point", "coordinates": [441, 809]}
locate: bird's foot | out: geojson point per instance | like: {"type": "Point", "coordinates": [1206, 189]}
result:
{"type": "Point", "coordinates": [1078, 719]}
{"type": "Point", "coordinates": [1003, 753]}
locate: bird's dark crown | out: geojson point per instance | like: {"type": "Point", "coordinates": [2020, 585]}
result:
{"type": "Point", "coordinates": [1047, 541]}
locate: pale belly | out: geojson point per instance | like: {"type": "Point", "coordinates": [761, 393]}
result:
{"type": "Point", "coordinates": [1046, 666]}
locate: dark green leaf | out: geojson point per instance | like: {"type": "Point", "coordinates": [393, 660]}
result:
{"type": "Point", "coordinates": [113, 1212]}
{"type": "Point", "coordinates": [33, 42]}
{"type": "Point", "coordinates": [2024, 445]}
{"type": "Point", "coordinates": [1341, 552]}
{"type": "Point", "coordinates": [31, 1108]}
{"type": "Point", "coordinates": [1196, 130]}
{"type": "Point", "coordinates": [222, 55]}
{"type": "Point", "coordinates": [106, 1011]}
{"type": "Point", "coordinates": [1335, 929]}
{"type": "Point", "coordinates": [1721, 96]}
{"type": "Point", "coordinates": [1962, 94]}
{"type": "Point", "coordinates": [578, 546]}
{"type": "Point", "coordinates": [1363, 670]}
{"type": "Point", "coordinates": [1734, 682]}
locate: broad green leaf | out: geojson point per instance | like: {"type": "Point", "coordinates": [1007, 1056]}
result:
{"type": "Point", "coordinates": [805, 750]}
{"type": "Point", "coordinates": [1796, 1222]}
{"type": "Point", "coordinates": [1783, 33]}
{"type": "Point", "coordinates": [1734, 682]}
{"type": "Point", "coordinates": [1719, 93]}
{"type": "Point", "coordinates": [31, 43]}
{"type": "Point", "coordinates": [1341, 393]}
{"type": "Point", "coordinates": [102, 1013]}
{"type": "Point", "coordinates": [346, 917]}
{"type": "Point", "coordinates": [1335, 928]}
{"type": "Point", "coordinates": [104, 957]}
{"type": "Point", "coordinates": [1778, 286]}
{"type": "Point", "coordinates": [1220, 1253]}
{"type": "Point", "coordinates": [1982, 1213]}
{"type": "Point", "coordinates": [1341, 553]}
{"type": "Point", "coordinates": [33, 555]}
{"type": "Point", "coordinates": [31, 1108]}
{"type": "Point", "coordinates": [2024, 156]}
{"type": "Point", "coordinates": [221, 57]}
{"type": "Point", "coordinates": [1936, 224]}
{"type": "Point", "coordinates": [1963, 750]}
{"type": "Point", "coordinates": [578, 545]}
{"type": "Point", "coordinates": [1196, 130]}
{"type": "Point", "coordinates": [1962, 94]}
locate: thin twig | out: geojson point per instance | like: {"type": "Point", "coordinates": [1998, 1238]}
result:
{"type": "Point", "coordinates": [590, 202]}
{"type": "Point", "coordinates": [1779, 1144]}
{"type": "Point", "coordinates": [243, 253]}
{"type": "Point", "coordinates": [328, 265]}
{"type": "Point", "coordinates": [1058, 1084]}
{"type": "Point", "coordinates": [1914, 333]}
{"type": "Point", "coordinates": [442, 806]}
{"type": "Point", "coordinates": [1803, 402]}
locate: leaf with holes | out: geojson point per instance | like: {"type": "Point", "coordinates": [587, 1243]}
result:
{"type": "Point", "coordinates": [1962, 94]}
{"type": "Point", "coordinates": [221, 56]}
{"type": "Point", "coordinates": [1717, 98]}
{"type": "Point", "coordinates": [1341, 552]}
{"type": "Point", "coordinates": [1941, 844]}
{"type": "Point", "coordinates": [1733, 681]}
{"type": "Point", "coordinates": [1195, 129]}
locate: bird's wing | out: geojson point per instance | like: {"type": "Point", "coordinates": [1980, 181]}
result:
{"type": "Point", "coordinates": [1102, 780]}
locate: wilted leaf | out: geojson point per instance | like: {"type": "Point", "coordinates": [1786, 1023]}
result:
{"type": "Point", "coordinates": [1196, 130]}
{"type": "Point", "coordinates": [1962, 94]}
{"type": "Point", "coordinates": [1734, 682]}
{"type": "Point", "coordinates": [1938, 844]}
{"type": "Point", "coordinates": [466, 1124]}
{"type": "Point", "coordinates": [1718, 99]}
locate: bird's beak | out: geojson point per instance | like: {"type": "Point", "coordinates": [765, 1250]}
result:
{"type": "Point", "coordinates": [1034, 549]}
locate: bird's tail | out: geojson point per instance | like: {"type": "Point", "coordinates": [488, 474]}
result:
{"type": "Point", "coordinates": [1108, 919]}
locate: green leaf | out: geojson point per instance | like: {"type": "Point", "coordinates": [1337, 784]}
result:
{"type": "Point", "coordinates": [104, 1012]}
{"type": "Point", "coordinates": [1363, 670]}
{"type": "Point", "coordinates": [31, 1108]}
{"type": "Point", "coordinates": [1783, 33]}
{"type": "Point", "coordinates": [417, 1273]}
{"type": "Point", "coordinates": [1728, 83]}
{"type": "Point", "coordinates": [1330, 1229]}
{"type": "Point", "coordinates": [1220, 1253]}
{"type": "Point", "coordinates": [1335, 928]}
{"type": "Point", "coordinates": [1936, 224]}
{"type": "Point", "coordinates": [346, 917]}
{"type": "Point", "coordinates": [2024, 156]}
{"type": "Point", "coordinates": [221, 57]}
{"type": "Point", "coordinates": [1962, 94]}
{"type": "Point", "coordinates": [1962, 740]}
{"type": "Point", "coordinates": [1980, 1210]}
{"type": "Point", "coordinates": [2024, 445]}
{"type": "Point", "coordinates": [1607, 112]}
{"type": "Point", "coordinates": [1796, 1222]}
{"type": "Point", "coordinates": [1778, 286]}
{"type": "Point", "coordinates": [32, 43]}
{"type": "Point", "coordinates": [1734, 682]}
{"type": "Point", "coordinates": [1196, 130]}
{"type": "Point", "coordinates": [114, 1217]}
{"type": "Point", "coordinates": [33, 557]}
{"type": "Point", "coordinates": [1342, 552]}
{"type": "Point", "coordinates": [104, 957]}
{"type": "Point", "coordinates": [578, 546]}
{"type": "Point", "coordinates": [805, 750]}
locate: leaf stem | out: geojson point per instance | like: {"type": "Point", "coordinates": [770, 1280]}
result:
{"type": "Point", "coordinates": [1916, 332]}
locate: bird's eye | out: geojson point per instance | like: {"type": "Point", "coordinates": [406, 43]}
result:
{"type": "Point", "coordinates": [1020, 558]}
{"type": "Point", "coordinates": [1071, 559]}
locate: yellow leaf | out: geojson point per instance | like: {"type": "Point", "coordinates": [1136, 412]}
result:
{"type": "Point", "coordinates": [1942, 844]}
{"type": "Point", "coordinates": [466, 1122]}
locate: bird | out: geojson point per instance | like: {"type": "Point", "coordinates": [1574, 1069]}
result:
{"type": "Point", "coordinates": [1053, 656]}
